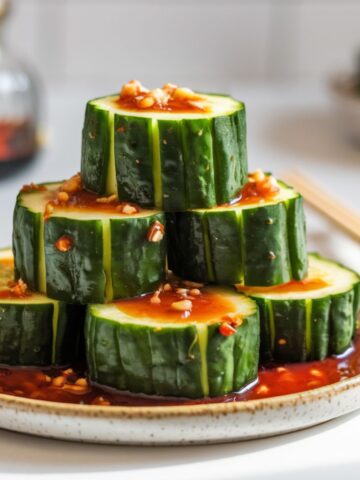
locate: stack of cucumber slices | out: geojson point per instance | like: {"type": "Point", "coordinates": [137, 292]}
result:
{"type": "Point", "coordinates": [177, 268]}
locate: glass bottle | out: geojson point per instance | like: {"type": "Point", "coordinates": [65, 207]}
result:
{"type": "Point", "coordinates": [18, 104]}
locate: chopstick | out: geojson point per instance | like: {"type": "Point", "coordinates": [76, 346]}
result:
{"type": "Point", "coordinates": [325, 203]}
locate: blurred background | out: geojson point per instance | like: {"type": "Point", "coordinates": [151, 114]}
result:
{"type": "Point", "coordinates": [279, 56]}
{"type": "Point", "coordinates": [203, 43]}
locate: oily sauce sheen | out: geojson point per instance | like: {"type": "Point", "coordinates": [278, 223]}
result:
{"type": "Point", "coordinates": [87, 201]}
{"type": "Point", "coordinates": [82, 200]}
{"type": "Point", "coordinates": [256, 192]}
{"type": "Point", "coordinates": [306, 285]}
{"type": "Point", "coordinates": [205, 306]}
{"type": "Point", "coordinates": [274, 380]}
{"type": "Point", "coordinates": [197, 105]}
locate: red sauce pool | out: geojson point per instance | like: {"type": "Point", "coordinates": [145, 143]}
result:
{"type": "Point", "coordinates": [274, 380]}
{"type": "Point", "coordinates": [203, 306]}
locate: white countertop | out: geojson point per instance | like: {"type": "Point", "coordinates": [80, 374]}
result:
{"type": "Point", "coordinates": [287, 127]}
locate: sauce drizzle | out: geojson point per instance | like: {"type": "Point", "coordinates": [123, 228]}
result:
{"type": "Point", "coordinates": [169, 98]}
{"type": "Point", "coordinates": [203, 307]}
{"type": "Point", "coordinates": [259, 188]}
{"type": "Point", "coordinates": [83, 201]}
{"type": "Point", "coordinates": [308, 284]}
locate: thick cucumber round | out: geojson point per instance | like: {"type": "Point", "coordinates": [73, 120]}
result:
{"type": "Point", "coordinates": [254, 244]}
{"type": "Point", "coordinates": [109, 255]}
{"type": "Point", "coordinates": [312, 319]}
{"type": "Point", "coordinates": [35, 330]}
{"type": "Point", "coordinates": [151, 348]}
{"type": "Point", "coordinates": [174, 161]}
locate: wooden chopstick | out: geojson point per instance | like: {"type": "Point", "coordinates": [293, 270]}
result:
{"type": "Point", "coordinates": [324, 202]}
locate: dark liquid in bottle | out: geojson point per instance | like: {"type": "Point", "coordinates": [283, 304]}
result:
{"type": "Point", "coordinates": [17, 143]}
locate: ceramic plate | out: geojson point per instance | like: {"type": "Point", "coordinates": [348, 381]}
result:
{"type": "Point", "coordinates": [180, 425]}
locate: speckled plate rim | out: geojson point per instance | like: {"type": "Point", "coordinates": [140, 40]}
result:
{"type": "Point", "coordinates": [156, 412]}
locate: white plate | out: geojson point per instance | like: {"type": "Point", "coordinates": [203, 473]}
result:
{"type": "Point", "coordinates": [180, 425]}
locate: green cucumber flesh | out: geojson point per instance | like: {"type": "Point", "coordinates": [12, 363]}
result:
{"type": "Point", "coordinates": [254, 244]}
{"type": "Point", "coordinates": [110, 256]}
{"type": "Point", "coordinates": [173, 161]}
{"type": "Point", "coordinates": [163, 356]}
{"type": "Point", "coordinates": [35, 330]}
{"type": "Point", "coordinates": [313, 323]}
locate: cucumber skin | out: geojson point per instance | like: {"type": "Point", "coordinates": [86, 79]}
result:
{"type": "Point", "coordinates": [341, 321]}
{"type": "Point", "coordinates": [166, 361]}
{"type": "Point", "coordinates": [78, 276]}
{"type": "Point", "coordinates": [230, 155]}
{"type": "Point", "coordinates": [199, 163]}
{"type": "Point", "coordinates": [240, 250]}
{"type": "Point", "coordinates": [25, 244]}
{"type": "Point", "coordinates": [135, 258]}
{"type": "Point", "coordinates": [226, 246]}
{"type": "Point", "coordinates": [356, 307]}
{"type": "Point", "coordinates": [186, 250]}
{"type": "Point", "coordinates": [133, 159]}
{"type": "Point", "coordinates": [333, 323]}
{"type": "Point", "coordinates": [26, 334]}
{"type": "Point", "coordinates": [296, 228]}
{"type": "Point", "coordinates": [95, 149]}
{"type": "Point", "coordinates": [294, 350]}
{"type": "Point", "coordinates": [262, 239]}
{"type": "Point", "coordinates": [139, 359]}
{"type": "Point", "coordinates": [265, 329]}
{"type": "Point", "coordinates": [320, 328]}
{"type": "Point", "coordinates": [207, 156]}
{"type": "Point", "coordinates": [233, 361]}
{"type": "Point", "coordinates": [172, 165]}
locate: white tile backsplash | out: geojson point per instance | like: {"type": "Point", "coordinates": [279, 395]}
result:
{"type": "Point", "coordinates": [195, 42]}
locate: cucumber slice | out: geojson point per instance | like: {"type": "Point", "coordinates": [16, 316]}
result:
{"type": "Point", "coordinates": [139, 346]}
{"type": "Point", "coordinates": [35, 330]}
{"type": "Point", "coordinates": [174, 161]}
{"type": "Point", "coordinates": [312, 319]}
{"type": "Point", "coordinates": [254, 244]}
{"type": "Point", "coordinates": [110, 255]}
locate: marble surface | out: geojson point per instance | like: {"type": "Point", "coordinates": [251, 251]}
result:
{"type": "Point", "coordinates": [288, 126]}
